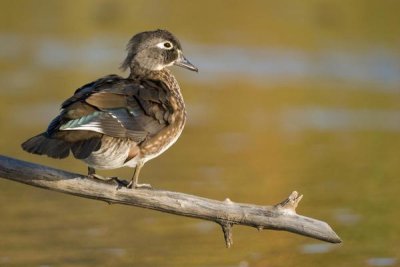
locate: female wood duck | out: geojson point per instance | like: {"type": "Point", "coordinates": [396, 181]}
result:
{"type": "Point", "coordinates": [115, 121]}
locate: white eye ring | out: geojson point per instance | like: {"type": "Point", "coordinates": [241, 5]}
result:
{"type": "Point", "coordinates": [165, 45]}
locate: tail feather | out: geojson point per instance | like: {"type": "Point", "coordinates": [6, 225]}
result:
{"type": "Point", "coordinates": [82, 149]}
{"type": "Point", "coordinates": [44, 145]}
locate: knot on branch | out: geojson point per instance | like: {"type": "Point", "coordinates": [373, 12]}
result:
{"type": "Point", "coordinates": [228, 201]}
{"type": "Point", "coordinates": [289, 205]}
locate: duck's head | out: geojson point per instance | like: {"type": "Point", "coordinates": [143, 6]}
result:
{"type": "Point", "coordinates": [155, 50]}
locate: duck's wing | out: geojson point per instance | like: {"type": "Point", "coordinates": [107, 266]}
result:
{"type": "Point", "coordinates": [116, 107]}
{"type": "Point", "coordinates": [111, 106]}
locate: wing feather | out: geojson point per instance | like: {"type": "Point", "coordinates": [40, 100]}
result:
{"type": "Point", "coordinates": [116, 107]}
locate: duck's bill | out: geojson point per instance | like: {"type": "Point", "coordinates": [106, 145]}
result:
{"type": "Point", "coordinates": [184, 63]}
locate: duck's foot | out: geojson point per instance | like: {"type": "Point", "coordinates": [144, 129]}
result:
{"type": "Point", "coordinates": [115, 179]}
{"type": "Point", "coordinates": [133, 185]}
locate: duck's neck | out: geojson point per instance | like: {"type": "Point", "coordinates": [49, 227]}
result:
{"type": "Point", "coordinates": [164, 75]}
{"type": "Point", "coordinates": [137, 71]}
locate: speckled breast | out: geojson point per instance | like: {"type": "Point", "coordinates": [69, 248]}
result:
{"type": "Point", "coordinates": [160, 142]}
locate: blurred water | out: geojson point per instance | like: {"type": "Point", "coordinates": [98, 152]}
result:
{"type": "Point", "coordinates": [290, 96]}
{"type": "Point", "coordinates": [264, 65]}
{"type": "Point", "coordinates": [317, 248]}
{"type": "Point", "coordinates": [381, 262]}
{"type": "Point", "coordinates": [336, 119]}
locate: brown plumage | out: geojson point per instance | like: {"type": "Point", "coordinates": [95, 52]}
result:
{"type": "Point", "coordinates": [114, 121]}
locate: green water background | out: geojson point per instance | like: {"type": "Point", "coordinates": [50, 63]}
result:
{"type": "Point", "coordinates": [291, 95]}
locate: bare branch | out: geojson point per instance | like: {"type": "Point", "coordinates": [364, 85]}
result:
{"type": "Point", "coordinates": [226, 213]}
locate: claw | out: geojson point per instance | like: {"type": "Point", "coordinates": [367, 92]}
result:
{"type": "Point", "coordinates": [132, 185]}
{"type": "Point", "coordinates": [120, 183]}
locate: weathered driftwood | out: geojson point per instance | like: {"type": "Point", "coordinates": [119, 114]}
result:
{"type": "Point", "coordinates": [226, 213]}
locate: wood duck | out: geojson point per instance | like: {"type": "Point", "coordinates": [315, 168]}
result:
{"type": "Point", "coordinates": [114, 121]}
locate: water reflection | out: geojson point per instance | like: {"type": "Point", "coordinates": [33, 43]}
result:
{"type": "Point", "coordinates": [267, 65]}
{"type": "Point", "coordinates": [275, 65]}
{"type": "Point", "coordinates": [329, 119]}
{"type": "Point", "coordinates": [381, 261]}
{"type": "Point", "coordinates": [317, 248]}
{"type": "Point", "coordinates": [347, 217]}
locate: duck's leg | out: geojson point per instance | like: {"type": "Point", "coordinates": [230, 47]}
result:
{"type": "Point", "coordinates": [134, 182]}
{"type": "Point", "coordinates": [92, 174]}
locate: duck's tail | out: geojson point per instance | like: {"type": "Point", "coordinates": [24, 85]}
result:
{"type": "Point", "coordinates": [41, 144]}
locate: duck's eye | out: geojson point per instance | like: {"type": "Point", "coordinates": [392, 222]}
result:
{"type": "Point", "coordinates": [165, 45]}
